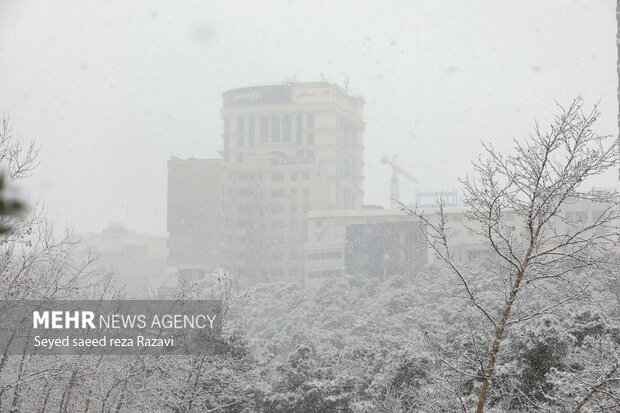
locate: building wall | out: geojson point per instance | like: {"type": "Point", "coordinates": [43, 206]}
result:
{"type": "Point", "coordinates": [384, 248]}
{"type": "Point", "coordinates": [198, 208]}
{"type": "Point", "coordinates": [361, 242]}
{"type": "Point", "coordinates": [269, 206]}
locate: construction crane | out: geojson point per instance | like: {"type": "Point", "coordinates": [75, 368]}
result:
{"type": "Point", "coordinates": [394, 181]}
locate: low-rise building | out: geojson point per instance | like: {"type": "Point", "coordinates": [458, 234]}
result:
{"type": "Point", "coordinates": [132, 259]}
{"type": "Point", "coordinates": [380, 242]}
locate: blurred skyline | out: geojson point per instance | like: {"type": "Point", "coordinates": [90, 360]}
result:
{"type": "Point", "coordinates": [110, 90]}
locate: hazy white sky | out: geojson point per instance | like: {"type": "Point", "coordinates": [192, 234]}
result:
{"type": "Point", "coordinates": [111, 89]}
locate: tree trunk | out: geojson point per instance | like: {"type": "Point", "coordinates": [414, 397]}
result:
{"type": "Point", "coordinates": [496, 343]}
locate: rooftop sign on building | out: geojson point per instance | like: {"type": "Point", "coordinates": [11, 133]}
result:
{"type": "Point", "coordinates": [313, 94]}
{"type": "Point", "coordinates": [259, 95]}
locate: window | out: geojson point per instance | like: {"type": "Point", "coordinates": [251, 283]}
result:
{"type": "Point", "coordinates": [226, 138]}
{"type": "Point", "coordinates": [240, 125]}
{"type": "Point", "coordinates": [286, 128]}
{"type": "Point", "coordinates": [277, 177]}
{"type": "Point", "coordinates": [327, 255]}
{"type": "Point", "coordinates": [251, 133]}
{"type": "Point", "coordinates": [264, 129]}
{"type": "Point", "coordinates": [293, 176]}
{"type": "Point", "coordinates": [226, 147]}
{"type": "Point", "coordinates": [306, 192]}
{"type": "Point", "coordinates": [277, 193]}
{"type": "Point", "coordinates": [240, 141]}
{"type": "Point", "coordinates": [345, 168]}
{"type": "Point", "coordinates": [310, 139]}
{"type": "Point", "coordinates": [275, 128]}
{"type": "Point", "coordinates": [306, 176]}
{"type": "Point", "coordinates": [277, 208]}
{"type": "Point", "coordinates": [299, 129]}
{"type": "Point", "coordinates": [310, 121]}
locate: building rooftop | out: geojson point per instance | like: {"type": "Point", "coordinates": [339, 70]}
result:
{"type": "Point", "coordinates": [282, 93]}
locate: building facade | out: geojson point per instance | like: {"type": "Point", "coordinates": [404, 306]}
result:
{"type": "Point", "coordinates": [196, 223]}
{"type": "Point", "coordinates": [286, 150]}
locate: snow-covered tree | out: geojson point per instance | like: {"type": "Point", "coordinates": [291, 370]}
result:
{"type": "Point", "coordinates": [543, 258]}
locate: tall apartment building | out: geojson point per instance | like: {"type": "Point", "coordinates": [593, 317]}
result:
{"type": "Point", "coordinates": [287, 150]}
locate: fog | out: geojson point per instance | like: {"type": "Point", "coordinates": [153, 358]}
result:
{"type": "Point", "coordinates": [321, 206]}
{"type": "Point", "coordinates": [110, 90]}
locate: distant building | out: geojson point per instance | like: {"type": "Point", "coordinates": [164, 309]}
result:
{"type": "Point", "coordinates": [284, 201]}
{"type": "Point", "coordinates": [371, 241]}
{"type": "Point", "coordinates": [287, 150]}
{"type": "Point", "coordinates": [133, 259]}
{"type": "Point", "coordinates": [374, 241]}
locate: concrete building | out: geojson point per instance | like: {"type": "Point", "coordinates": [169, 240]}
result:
{"type": "Point", "coordinates": [287, 150]}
